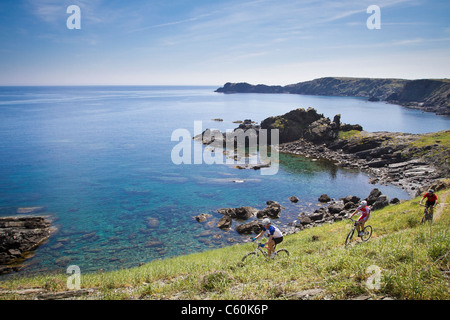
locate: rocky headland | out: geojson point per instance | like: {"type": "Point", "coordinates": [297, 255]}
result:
{"type": "Point", "coordinates": [430, 95]}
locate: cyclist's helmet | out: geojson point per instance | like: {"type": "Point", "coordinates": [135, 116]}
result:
{"type": "Point", "coordinates": [431, 191]}
{"type": "Point", "coordinates": [364, 203]}
{"type": "Point", "coordinates": [265, 221]}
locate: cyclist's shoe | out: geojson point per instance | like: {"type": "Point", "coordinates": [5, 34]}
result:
{"type": "Point", "coordinates": [360, 234]}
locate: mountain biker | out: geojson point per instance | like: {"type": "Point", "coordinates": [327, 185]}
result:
{"type": "Point", "coordinates": [272, 233]}
{"type": "Point", "coordinates": [431, 200]}
{"type": "Point", "coordinates": [365, 216]}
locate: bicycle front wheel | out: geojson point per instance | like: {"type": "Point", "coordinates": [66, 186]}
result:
{"type": "Point", "coordinates": [349, 237]}
{"type": "Point", "coordinates": [282, 253]}
{"type": "Point", "coordinates": [367, 233]}
{"type": "Point", "coordinates": [249, 256]}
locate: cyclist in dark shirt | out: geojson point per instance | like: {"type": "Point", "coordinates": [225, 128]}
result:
{"type": "Point", "coordinates": [431, 200]}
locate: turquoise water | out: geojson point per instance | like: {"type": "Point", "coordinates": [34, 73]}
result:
{"type": "Point", "coordinates": [98, 160]}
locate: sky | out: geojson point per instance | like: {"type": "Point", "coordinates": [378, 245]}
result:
{"type": "Point", "coordinates": [211, 42]}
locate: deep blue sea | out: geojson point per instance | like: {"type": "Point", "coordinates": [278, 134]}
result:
{"type": "Point", "coordinates": [98, 161]}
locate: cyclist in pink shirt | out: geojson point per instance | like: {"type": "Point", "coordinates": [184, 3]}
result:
{"type": "Point", "coordinates": [365, 216]}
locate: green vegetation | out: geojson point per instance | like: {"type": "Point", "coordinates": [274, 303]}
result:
{"type": "Point", "coordinates": [439, 139]}
{"type": "Point", "coordinates": [433, 147]}
{"type": "Point", "coordinates": [413, 258]}
{"type": "Point", "coordinates": [348, 134]}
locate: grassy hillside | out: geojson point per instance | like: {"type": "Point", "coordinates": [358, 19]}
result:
{"type": "Point", "coordinates": [413, 259]}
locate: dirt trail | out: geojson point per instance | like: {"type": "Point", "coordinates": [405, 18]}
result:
{"type": "Point", "coordinates": [441, 205]}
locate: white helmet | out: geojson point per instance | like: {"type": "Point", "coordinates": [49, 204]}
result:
{"type": "Point", "coordinates": [364, 203]}
{"type": "Point", "coordinates": [265, 221]}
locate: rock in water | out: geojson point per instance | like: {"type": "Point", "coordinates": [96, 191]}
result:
{"type": "Point", "coordinates": [324, 198]}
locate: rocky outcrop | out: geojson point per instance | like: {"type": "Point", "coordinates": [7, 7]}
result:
{"type": "Point", "coordinates": [241, 213]}
{"type": "Point", "coordinates": [18, 237]}
{"type": "Point", "coordinates": [306, 124]}
{"type": "Point", "coordinates": [431, 95]}
{"type": "Point", "coordinates": [272, 211]}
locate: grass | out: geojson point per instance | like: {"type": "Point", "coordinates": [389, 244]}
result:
{"type": "Point", "coordinates": [345, 135]}
{"type": "Point", "coordinates": [441, 138]}
{"type": "Point", "coordinates": [412, 259]}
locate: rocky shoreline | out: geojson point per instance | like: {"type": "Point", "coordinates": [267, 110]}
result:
{"type": "Point", "coordinates": [395, 158]}
{"type": "Point", "coordinates": [19, 237]}
{"type": "Point", "coordinates": [413, 162]}
{"type": "Point", "coordinates": [384, 163]}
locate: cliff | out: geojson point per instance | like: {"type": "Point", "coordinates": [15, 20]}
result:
{"type": "Point", "coordinates": [431, 95]}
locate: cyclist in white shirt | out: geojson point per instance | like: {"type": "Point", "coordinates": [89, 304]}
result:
{"type": "Point", "coordinates": [272, 233]}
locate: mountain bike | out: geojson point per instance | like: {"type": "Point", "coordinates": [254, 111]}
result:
{"type": "Point", "coordinates": [427, 213]}
{"type": "Point", "coordinates": [260, 249]}
{"type": "Point", "coordinates": [366, 233]}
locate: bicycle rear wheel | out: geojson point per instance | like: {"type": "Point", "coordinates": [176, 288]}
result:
{"type": "Point", "coordinates": [349, 237]}
{"type": "Point", "coordinates": [367, 233]}
{"type": "Point", "coordinates": [282, 253]}
{"type": "Point", "coordinates": [249, 256]}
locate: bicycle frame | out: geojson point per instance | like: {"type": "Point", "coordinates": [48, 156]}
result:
{"type": "Point", "coordinates": [427, 215]}
{"type": "Point", "coordinates": [260, 246]}
{"type": "Point", "coordinates": [366, 235]}
{"type": "Point", "coordinates": [259, 249]}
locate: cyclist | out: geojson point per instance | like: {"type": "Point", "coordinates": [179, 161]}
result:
{"type": "Point", "coordinates": [272, 233]}
{"type": "Point", "coordinates": [365, 216]}
{"type": "Point", "coordinates": [431, 200]}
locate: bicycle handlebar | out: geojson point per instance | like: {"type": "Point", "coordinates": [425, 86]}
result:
{"type": "Point", "coordinates": [259, 243]}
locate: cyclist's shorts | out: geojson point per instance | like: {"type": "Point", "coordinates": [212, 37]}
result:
{"type": "Point", "coordinates": [364, 218]}
{"type": "Point", "coordinates": [278, 240]}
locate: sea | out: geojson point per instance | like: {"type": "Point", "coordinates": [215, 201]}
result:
{"type": "Point", "coordinates": [97, 160]}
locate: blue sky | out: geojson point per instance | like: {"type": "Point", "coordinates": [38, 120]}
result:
{"type": "Point", "coordinates": [210, 42]}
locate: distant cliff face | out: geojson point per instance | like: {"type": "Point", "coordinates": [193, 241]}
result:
{"type": "Point", "coordinates": [350, 87]}
{"type": "Point", "coordinates": [428, 94]}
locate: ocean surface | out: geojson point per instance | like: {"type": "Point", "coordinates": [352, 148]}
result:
{"type": "Point", "coordinates": [97, 160]}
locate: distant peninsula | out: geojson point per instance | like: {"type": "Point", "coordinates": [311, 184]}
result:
{"type": "Point", "coordinates": [430, 95]}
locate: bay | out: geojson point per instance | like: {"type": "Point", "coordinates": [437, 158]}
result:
{"type": "Point", "coordinates": [98, 160]}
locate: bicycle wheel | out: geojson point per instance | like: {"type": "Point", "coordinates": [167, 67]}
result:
{"type": "Point", "coordinates": [349, 237]}
{"type": "Point", "coordinates": [429, 218]}
{"type": "Point", "coordinates": [282, 253]}
{"type": "Point", "coordinates": [425, 215]}
{"type": "Point", "coordinates": [367, 233]}
{"type": "Point", "coordinates": [249, 256]}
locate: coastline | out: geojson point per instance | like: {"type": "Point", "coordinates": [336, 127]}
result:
{"type": "Point", "coordinates": [412, 175]}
